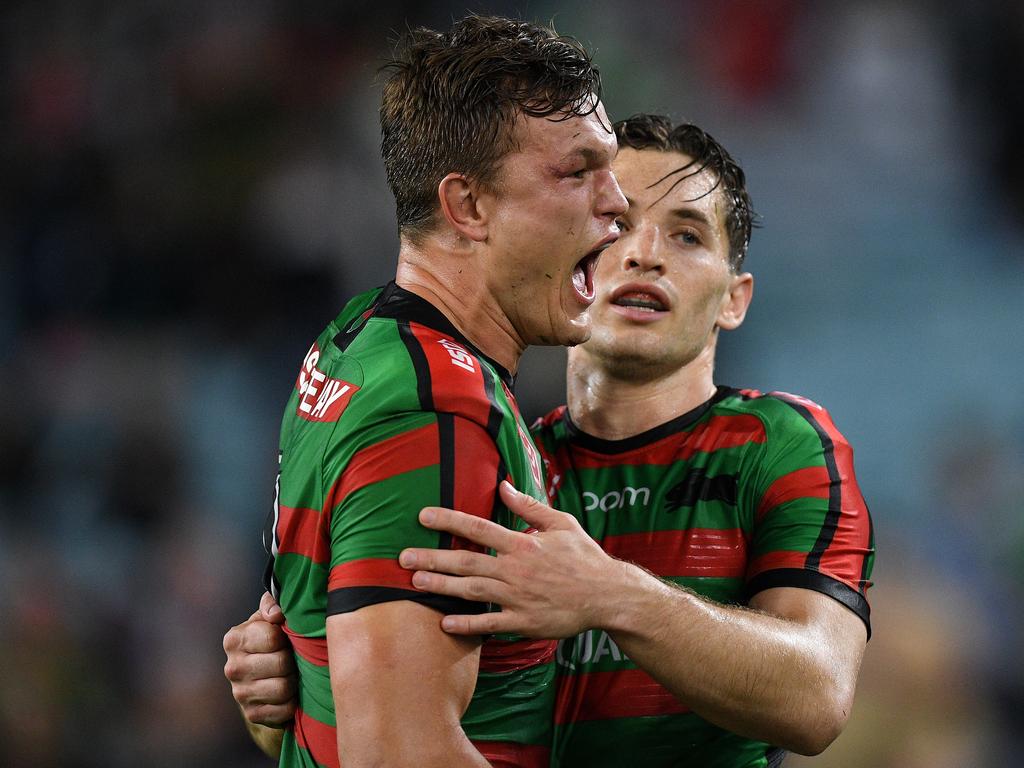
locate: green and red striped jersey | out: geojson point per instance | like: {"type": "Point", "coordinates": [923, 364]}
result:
{"type": "Point", "coordinates": [744, 493]}
{"type": "Point", "coordinates": [394, 410]}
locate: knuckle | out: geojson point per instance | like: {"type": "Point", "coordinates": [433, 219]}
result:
{"type": "Point", "coordinates": [476, 525]}
{"type": "Point", "coordinates": [474, 589]}
{"type": "Point", "coordinates": [231, 640]}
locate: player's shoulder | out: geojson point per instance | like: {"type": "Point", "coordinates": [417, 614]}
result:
{"type": "Point", "coordinates": [783, 414]}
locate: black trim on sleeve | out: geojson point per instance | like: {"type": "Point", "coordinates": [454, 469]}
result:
{"type": "Point", "coordinates": [775, 756]}
{"type": "Point", "coordinates": [814, 580]}
{"type": "Point", "coordinates": [348, 599]}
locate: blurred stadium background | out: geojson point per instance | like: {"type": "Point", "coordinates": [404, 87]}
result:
{"type": "Point", "coordinates": [192, 187]}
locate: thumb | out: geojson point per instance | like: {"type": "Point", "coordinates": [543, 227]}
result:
{"type": "Point", "coordinates": [270, 610]}
{"type": "Point", "coordinates": [535, 513]}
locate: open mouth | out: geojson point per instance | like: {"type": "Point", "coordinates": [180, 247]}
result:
{"type": "Point", "coordinates": [640, 300]}
{"type": "Point", "coordinates": [583, 276]}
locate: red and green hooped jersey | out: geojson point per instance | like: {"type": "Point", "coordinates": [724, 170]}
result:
{"type": "Point", "coordinates": [744, 493]}
{"type": "Point", "coordinates": [394, 410]}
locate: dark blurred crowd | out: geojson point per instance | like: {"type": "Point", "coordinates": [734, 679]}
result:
{"type": "Point", "coordinates": [191, 189]}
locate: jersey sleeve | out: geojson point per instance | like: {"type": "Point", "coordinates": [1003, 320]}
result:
{"type": "Point", "coordinates": [812, 528]}
{"type": "Point", "coordinates": [427, 459]}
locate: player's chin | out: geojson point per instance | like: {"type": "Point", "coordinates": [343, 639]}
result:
{"type": "Point", "coordinates": [576, 329]}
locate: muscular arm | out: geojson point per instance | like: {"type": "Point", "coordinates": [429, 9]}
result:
{"type": "Point", "coordinates": [784, 673]}
{"type": "Point", "coordinates": [400, 687]}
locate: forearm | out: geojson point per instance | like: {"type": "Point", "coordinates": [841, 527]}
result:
{"type": "Point", "coordinates": [757, 675]}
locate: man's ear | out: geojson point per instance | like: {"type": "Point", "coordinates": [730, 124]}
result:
{"type": "Point", "coordinates": [736, 301]}
{"type": "Point", "coordinates": [459, 205]}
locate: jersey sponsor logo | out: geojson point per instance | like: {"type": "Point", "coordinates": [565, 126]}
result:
{"type": "Point", "coordinates": [587, 647]}
{"type": "Point", "coordinates": [627, 497]}
{"type": "Point", "coordinates": [321, 398]}
{"type": "Point", "coordinates": [459, 355]}
{"type": "Point", "coordinates": [532, 456]}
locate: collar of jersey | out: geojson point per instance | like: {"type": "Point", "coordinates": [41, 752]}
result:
{"type": "Point", "coordinates": [399, 304]}
{"type": "Point", "coordinates": [652, 435]}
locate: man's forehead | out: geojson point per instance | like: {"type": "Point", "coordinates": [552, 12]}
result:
{"type": "Point", "coordinates": [666, 178]}
{"type": "Point", "coordinates": [570, 133]}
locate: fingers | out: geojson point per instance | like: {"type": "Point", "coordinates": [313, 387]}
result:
{"type": "Point", "coordinates": [482, 624]}
{"type": "Point", "coordinates": [263, 637]}
{"type": "Point", "coordinates": [267, 702]}
{"type": "Point", "coordinates": [271, 715]}
{"type": "Point", "coordinates": [462, 562]}
{"type": "Point", "coordinates": [475, 529]}
{"type": "Point", "coordinates": [539, 515]}
{"type": "Point", "coordinates": [244, 667]}
{"type": "Point", "coordinates": [476, 588]}
{"type": "Point", "coordinates": [270, 610]}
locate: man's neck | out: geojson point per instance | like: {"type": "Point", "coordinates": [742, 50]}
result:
{"type": "Point", "coordinates": [450, 280]}
{"type": "Point", "coordinates": [613, 407]}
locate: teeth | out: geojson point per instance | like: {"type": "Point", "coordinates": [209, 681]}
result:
{"type": "Point", "coordinates": [579, 279]}
{"type": "Point", "coordinates": [648, 304]}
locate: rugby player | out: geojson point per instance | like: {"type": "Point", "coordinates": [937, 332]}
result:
{"type": "Point", "coordinates": [499, 152]}
{"type": "Point", "coordinates": [709, 582]}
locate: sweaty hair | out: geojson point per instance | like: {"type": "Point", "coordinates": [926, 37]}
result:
{"type": "Point", "coordinates": [657, 132]}
{"type": "Point", "coordinates": [451, 101]}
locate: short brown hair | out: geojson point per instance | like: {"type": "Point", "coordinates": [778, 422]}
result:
{"type": "Point", "coordinates": [451, 101]}
{"type": "Point", "coordinates": [657, 132]}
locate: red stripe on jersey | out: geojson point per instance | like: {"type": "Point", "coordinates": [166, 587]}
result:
{"type": "Point", "coordinates": [456, 381]}
{"type": "Point", "coordinates": [695, 552]}
{"type": "Point", "coordinates": [415, 449]}
{"type": "Point", "coordinates": [319, 739]}
{"type": "Point", "coordinates": [771, 561]}
{"type": "Point", "coordinates": [716, 433]}
{"type": "Point", "coordinates": [806, 483]}
{"type": "Point", "coordinates": [511, 656]}
{"type": "Point", "coordinates": [611, 695]}
{"type": "Point", "coordinates": [370, 572]}
{"type": "Point", "coordinates": [505, 754]}
{"type": "Point", "coordinates": [312, 649]}
{"type": "Point", "coordinates": [303, 532]}
{"type": "Point", "coordinates": [476, 474]}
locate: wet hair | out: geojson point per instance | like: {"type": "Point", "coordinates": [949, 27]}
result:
{"type": "Point", "coordinates": [657, 132]}
{"type": "Point", "coordinates": [451, 102]}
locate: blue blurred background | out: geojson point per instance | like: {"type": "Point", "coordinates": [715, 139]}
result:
{"type": "Point", "coordinates": [191, 188]}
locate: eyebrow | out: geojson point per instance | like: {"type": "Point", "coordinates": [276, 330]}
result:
{"type": "Point", "coordinates": [692, 214]}
{"type": "Point", "coordinates": [590, 155]}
